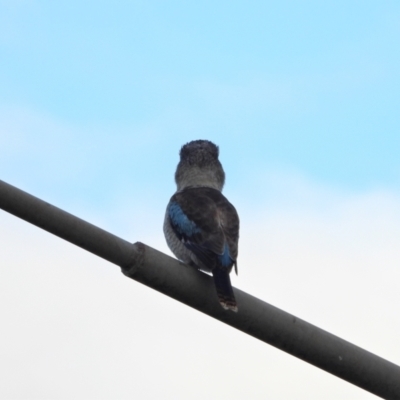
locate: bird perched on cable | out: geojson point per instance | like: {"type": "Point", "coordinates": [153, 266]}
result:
{"type": "Point", "coordinates": [201, 226]}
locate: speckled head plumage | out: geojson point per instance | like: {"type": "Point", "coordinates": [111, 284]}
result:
{"type": "Point", "coordinates": [200, 152]}
{"type": "Point", "coordinates": [199, 166]}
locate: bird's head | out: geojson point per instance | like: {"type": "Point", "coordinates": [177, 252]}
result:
{"type": "Point", "coordinates": [199, 166]}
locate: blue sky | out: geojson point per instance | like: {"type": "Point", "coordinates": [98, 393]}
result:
{"type": "Point", "coordinates": [96, 99]}
{"type": "Point", "coordinates": [292, 85]}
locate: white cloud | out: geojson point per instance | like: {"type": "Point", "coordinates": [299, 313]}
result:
{"type": "Point", "coordinates": [330, 258]}
{"type": "Point", "coordinates": [75, 327]}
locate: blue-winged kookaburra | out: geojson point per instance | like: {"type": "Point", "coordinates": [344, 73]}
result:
{"type": "Point", "coordinates": [201, 226]}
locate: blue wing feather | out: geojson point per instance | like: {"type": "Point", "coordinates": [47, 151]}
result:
{"type": "Point", "coordinates": [181, 223]}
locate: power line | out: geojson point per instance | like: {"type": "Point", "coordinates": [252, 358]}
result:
{"type": "Point", "coordinates": [195, 289]}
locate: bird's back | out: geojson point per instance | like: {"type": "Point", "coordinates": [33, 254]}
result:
{"type": "Point", "coordinates": [207, 224]}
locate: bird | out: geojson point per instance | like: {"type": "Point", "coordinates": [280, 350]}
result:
{"type": "Point", "coordinates": [201, 226]}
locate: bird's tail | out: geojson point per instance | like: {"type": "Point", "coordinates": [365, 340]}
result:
{"type": "Point", "coordinates": [224, 289]}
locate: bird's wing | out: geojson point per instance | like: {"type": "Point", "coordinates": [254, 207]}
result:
{"type": "Point", "coordinates": [207, 224]}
